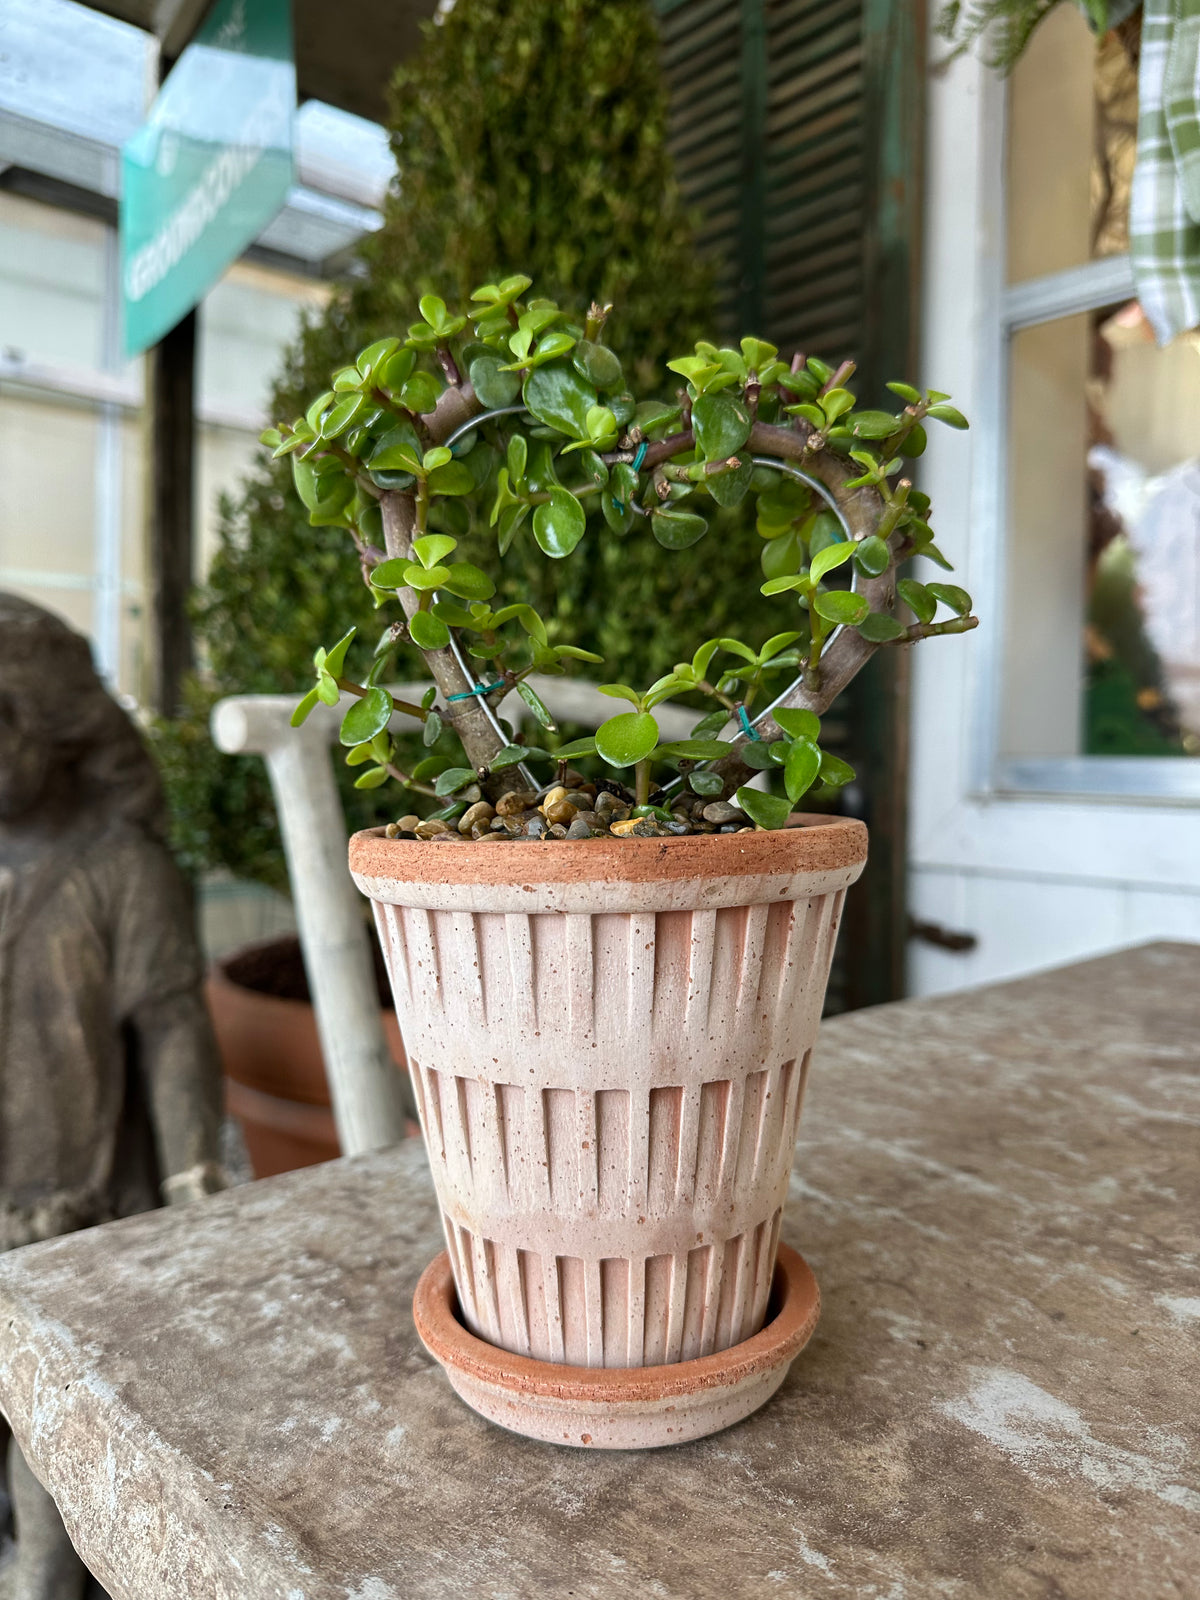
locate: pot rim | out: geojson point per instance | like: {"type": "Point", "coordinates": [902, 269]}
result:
{"type": "Point", "coordinates": [809, 843]}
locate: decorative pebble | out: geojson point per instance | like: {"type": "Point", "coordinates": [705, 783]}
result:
{"type": "Point", "coordinates": [431, 828]}
{"type": "Point", "coordinates": [579, 829]}
{"type": "Point", "coordinates": [620, 829]}
{"type": "Point", "coordinates": [481, 811]}
{"type": "Point", "coordinates": [556, 831]}
{"type": "Point", "coordinates": [720, 811]}
{"type": "Point", "coordinates": [535, 828]}
{"type": "Point", "coordinates": [559, 811]}
{"type": "Point", "coordinates": [516, 800]}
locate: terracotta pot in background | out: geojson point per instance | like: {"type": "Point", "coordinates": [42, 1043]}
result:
{"type": "Point", "coordinates": [274, 1074]}
{"type": "Point", "coordinates": [609, 1043]}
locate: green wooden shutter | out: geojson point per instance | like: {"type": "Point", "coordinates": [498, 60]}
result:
{"type": "Point", "coordinates": [797, 129]}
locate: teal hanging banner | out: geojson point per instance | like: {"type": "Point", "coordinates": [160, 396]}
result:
{"type": "Point", "coordinates": [210, 167]}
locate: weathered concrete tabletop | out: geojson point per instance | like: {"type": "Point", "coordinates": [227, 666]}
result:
{"type": "Point", "coordinates": [1000, 1194]}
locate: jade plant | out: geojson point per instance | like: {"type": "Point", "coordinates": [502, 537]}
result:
{"type": "Point", "coordinates": [518, 402]}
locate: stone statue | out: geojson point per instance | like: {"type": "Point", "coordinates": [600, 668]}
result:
{"type": "Point", "coordinates": [110, 1098]}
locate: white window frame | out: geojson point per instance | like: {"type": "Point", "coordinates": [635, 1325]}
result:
{"type": "Point", "coordinates": [1007, 309]}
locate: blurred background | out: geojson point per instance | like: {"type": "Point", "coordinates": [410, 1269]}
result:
{"type": "Point", "coordinates": [790, 168]}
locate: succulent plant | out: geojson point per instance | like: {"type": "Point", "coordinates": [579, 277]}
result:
{"type": "Point", "coordinates": [518, 402]}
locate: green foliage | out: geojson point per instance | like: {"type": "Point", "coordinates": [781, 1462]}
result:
{"type": "Point", "coordinates": [1008, 25]}
{"type": "Point", "coordinates": [524, 457]}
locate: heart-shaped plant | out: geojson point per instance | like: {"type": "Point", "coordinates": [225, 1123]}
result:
{"type": "Point", "coordinates": [522, 405]}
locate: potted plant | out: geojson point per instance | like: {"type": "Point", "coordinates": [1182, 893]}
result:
{"type": "Point", "coordinates": [609, 986]}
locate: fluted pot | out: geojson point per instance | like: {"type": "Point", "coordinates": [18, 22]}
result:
{"type": "Point", "coordinates": [609, 1041]}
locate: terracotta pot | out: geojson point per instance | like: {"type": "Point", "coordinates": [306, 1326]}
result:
{"type": "Point", "coordinates": [609, 1042]}
{"type": "Point", "coordinates": [274, 1073]}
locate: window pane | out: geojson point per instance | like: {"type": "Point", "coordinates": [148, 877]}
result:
{"type": "Point", "coordinates": [1103, 614]}
{"type": "Point", "coordinates": [1072, 128]}
{"type": "Point", "coordinates": [51, 285]}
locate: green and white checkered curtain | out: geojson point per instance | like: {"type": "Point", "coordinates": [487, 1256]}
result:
{"type": "Point", "coordinates": [1164, 215]}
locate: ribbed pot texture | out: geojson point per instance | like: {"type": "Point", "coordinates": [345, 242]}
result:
{"type": "Point", "coordinates": [609, 1042]}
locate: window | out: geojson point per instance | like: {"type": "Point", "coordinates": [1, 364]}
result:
{"type": "Point", "coordinates": [72, 483]}
{"type": "Point", "coordinates": [1098, 661]}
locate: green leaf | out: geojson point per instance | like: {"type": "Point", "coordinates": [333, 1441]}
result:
{"type": "Point", "coordinates": [832, 556]}
{"type": "Point", "coordinates": [434, 311]}
{"type": "Point", "coordinates": [950, 415]}
{"type": "Point", "coordinates": [626, 739]}
{"type": "Point", "coordinates": [453, 779]}
{"type": "Point", "coordinates": [721, 425]}
{"type": "Point", "coordinates": [300, 714]}
{"type": "Point", "coordinates": [453, 477]}
{"type": "Point", "coordinates": [677, 530]}
{"type": "Point", "coordinates": [396, 370]}
{"type": "Point", "coordinates": [511, 519]}
{"type": "Point", "coordinates": [495, 387]}
{"type": "Point", "coordinates": [598, 364]}
{"type": "Point", "coordinates": [906, 392]}
{"type": "Point", "coordinates": [873, 424]}
{"type": "Point", "coordinates": [782, 557]}
{"type": "Point", "coordinates": [431, 547]}
{"type": "Point", "coordinates": [341, 415]}
{"type": "Point", "coordinates": [729, 488]}
{"type": "Point", "coordinates": [560, 398]}
{"type": "Point", "coordinates": [361, 754]}
{"type": "Point", "coordinates": [798, 721]}
{"type": "Point", "coordinates": [621, 691]}
{"type": "Point", "coordinates": [776, 643]}
{"type": "Point", "coordinates": [390, 574]}
{"type": "Point", "coordinates": [428, 632]}
{"type": "Point", "coordinates": [418, 577]}
{"type": "Point", "coordinates": [755, 754]}
{"type": "Point", "coordinates": [432, 729]}
{"type": "Point", "coordinates": [370, 358]}
{"type": "Point", "coordinates": [577, 747]}
{"type": "Point", "coordinates": [327, 689]}
{"type": "Point", "coordinates": [705, 782]}
{"type": "Point", "coordinates": [468, 582]}
{"type": "Point", "coordinates": [558, 523]}
{"type": "Point", "coordinates": [795, 580]}
{"type": "Point", "coordinates": [951, 595]}
{"type": "Point", "coordinates": [917, 598]}
{"type": "Point", "coordinates": [516, 457]}
{"type": "Point", "coordinates": [335, 659]}
{"type": "Point", "coordinates": [372, 778]}
{"type": "Point", "coordinates": [366, 717]}
{"type": "Point", "coordinates": [535, 703]}
{"type": "Point", "coordinates": [841, 605]}
{"type": "Point", "coordinates": [712, 723]}
{"type": "Point", "coordinates": [766, 810]}
{"type": "Point", "coordinates": [800, 768]}
{"type": "Point", "coordinates": [398, 451]}
{"type": "Point", "coordinates": [509, 757]}
{"type": "Point", "coordinates": [872, 556]}
{"type": "Point", "coordinates": [694, 749]}
{"type": "Point", "coordinates": [879, 628]}
{"type": "Point", "coordinates": [835, 771]}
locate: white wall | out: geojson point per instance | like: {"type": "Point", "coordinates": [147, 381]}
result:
{"type": "Point", "coordinates": [1038, 880]}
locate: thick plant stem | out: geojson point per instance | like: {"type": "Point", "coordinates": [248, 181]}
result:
{"type": "Point", "coordinates": [641, 781]}
{"type": "Point", "coordinates": [481, 742]}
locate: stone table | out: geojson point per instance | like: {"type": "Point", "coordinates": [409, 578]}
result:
{"type": "Point", "coordinates": [1000, 1194]}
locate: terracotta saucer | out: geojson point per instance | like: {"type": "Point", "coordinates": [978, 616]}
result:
{"type": "Point", "coordinates": [619, 1408]}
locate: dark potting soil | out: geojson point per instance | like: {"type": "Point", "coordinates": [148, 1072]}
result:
{"type": "Point", "coordinates": [276, 967]}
